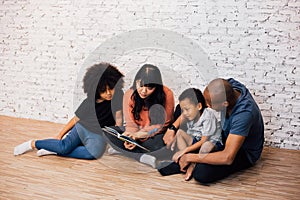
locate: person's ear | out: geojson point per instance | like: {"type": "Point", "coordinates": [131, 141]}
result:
{"type": "Point", "coordinates": [226, 104]}
{"type": "Point", "coordinates": [199, 106]}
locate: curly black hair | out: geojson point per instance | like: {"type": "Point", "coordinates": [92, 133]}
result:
{"type": "Point", "coordinates": [100, 76]}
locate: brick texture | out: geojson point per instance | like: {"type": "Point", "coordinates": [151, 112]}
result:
{"type": "Point", "coordinates": [46, 45]}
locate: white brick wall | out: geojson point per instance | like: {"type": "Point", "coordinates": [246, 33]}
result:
{"type": "Point", "coordinates": [44, 45]}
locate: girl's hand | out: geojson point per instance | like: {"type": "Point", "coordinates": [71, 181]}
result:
{"type": "Point", "coordinates": [58, 137]}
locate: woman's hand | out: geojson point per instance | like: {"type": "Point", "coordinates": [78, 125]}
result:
{"type": "Point", "coordinates": [58, 137]}
{"type": "Point", "coordinates": [128, 145]}
{"type": "Point", "coordinates": [141, 135]}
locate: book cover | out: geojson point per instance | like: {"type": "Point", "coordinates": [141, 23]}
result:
{"type": "Point", "coordinates": [122, 137]}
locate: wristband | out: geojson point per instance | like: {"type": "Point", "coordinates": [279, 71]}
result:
{"type": "Point", "coordinates": [172, 127]}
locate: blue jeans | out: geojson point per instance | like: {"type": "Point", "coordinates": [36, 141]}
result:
{"type": "Point", "coordinates": [79, 143]}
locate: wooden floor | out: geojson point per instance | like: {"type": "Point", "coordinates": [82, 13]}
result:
{"type": "Point", "coordinates": [276, 175]}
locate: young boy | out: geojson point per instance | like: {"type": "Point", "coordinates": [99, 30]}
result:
{"type": "Point", "coordinates": [203, 128]}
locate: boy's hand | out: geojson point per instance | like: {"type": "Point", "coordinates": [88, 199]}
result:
{"type": "Point", "coordinates": [169, 138]}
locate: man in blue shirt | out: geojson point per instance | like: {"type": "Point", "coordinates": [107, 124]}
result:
{"type": "Point", "coordinates": [243, 133]}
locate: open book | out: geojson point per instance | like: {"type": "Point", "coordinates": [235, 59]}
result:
{"type": "Point", "coordinates": [123, 137]}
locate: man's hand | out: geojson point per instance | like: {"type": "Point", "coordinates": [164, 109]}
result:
{"type": "Point", "coordinates": [178, 155]}
{"type": "Point", "coordinates": [183, 162]}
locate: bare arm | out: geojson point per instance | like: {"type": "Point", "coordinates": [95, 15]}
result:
{"type": "Point", "coordinates": [169, 108]}
{"type": "Point", "coordinates": [197, 145]}
{"type": "Point", "coordinates": [169, 111]}
{"type": "Point", "coordinates": [170, 134]}
{"type": "Point", "coordinates": [131, 126]}
{"type": "Point", "coordinates": [119, 118]}
{"type": "Point", "coordinates": [67, 127]}
{"type": "Point", "coordinates": [188, 149]}
{"type": "Point", "coordinates": [225, 157]}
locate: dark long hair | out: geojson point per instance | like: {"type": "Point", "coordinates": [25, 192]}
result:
{"type": "Point", "coordinates": [100, 76]}
{"type": "Point", "coordinates": [149, 76]}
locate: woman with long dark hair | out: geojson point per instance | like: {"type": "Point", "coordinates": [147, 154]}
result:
{"type": "Point", "coordinates": [148, 108]}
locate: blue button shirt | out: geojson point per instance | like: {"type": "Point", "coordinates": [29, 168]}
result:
{"type": "Point", "coordinates": [245, 120]}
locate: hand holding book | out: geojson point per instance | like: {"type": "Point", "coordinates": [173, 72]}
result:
{"type": "Point", "coordinates": [129, 145]}
{"type": "Point", "coordinates": [129, 140]}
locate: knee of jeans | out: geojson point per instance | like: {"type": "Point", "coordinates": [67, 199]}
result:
{"type": "Point", "coordinates": [98, 154]}
{"type": "Point", "coordinates": [201, 175]}
{"type": "Point", "coordinates": [63, 148]}
{"type": "Point", "coordinates": [88, 157]}
{"type": "Point", "coordinates": [98, 150]}
{"type": "Point", "coordinates": [94, 155]}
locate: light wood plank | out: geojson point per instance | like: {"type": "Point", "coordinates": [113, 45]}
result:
{"type": "Point", "coordinates": [276, 175]}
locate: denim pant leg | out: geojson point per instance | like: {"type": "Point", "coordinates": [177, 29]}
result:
{"type": "Point", "coordinates": [72, 145]}
{"type": "Point", "coordinates": [61, 147]}
{"type": "Point", "coordinates": [94, 145]}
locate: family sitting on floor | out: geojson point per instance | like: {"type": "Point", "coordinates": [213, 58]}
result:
{"type": "Point", "coordinates": [208, 136]}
